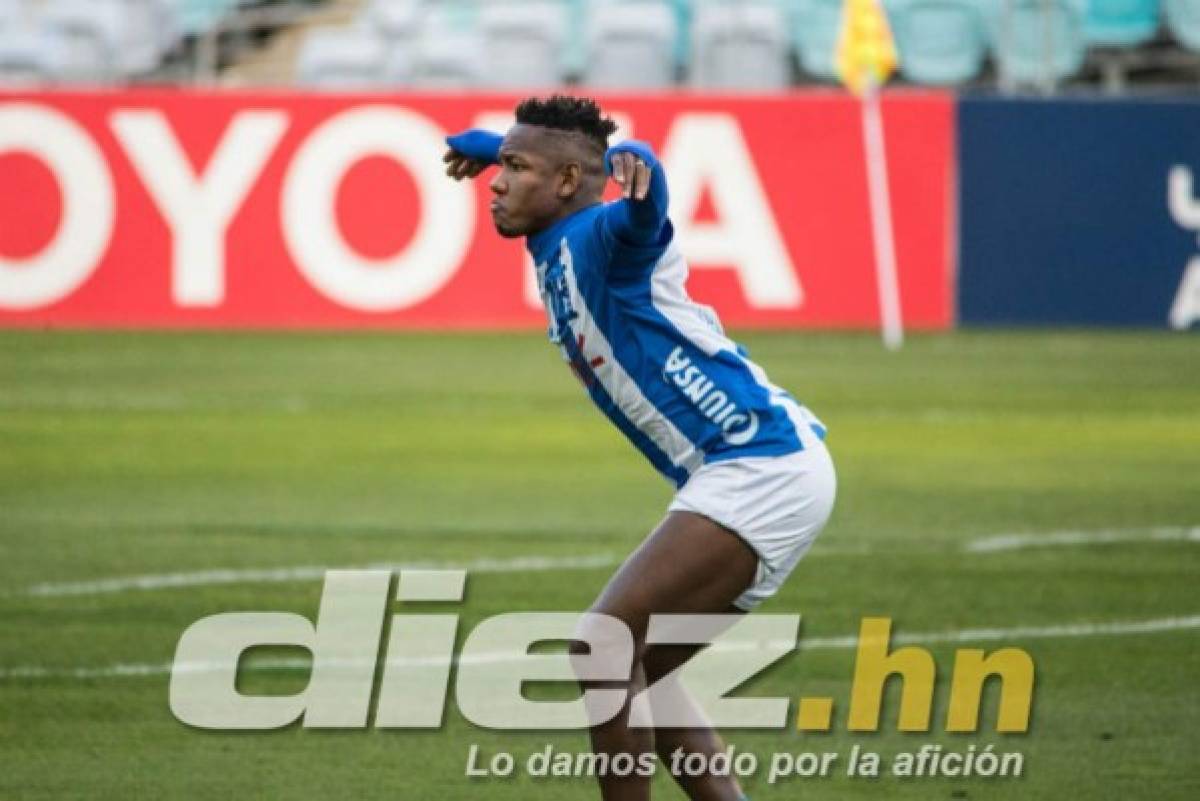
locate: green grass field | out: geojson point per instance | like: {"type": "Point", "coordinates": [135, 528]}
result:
{"type": "Point", "coordinates": [146, 454]}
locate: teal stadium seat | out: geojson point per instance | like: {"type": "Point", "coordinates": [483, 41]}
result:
{"type": "Point", "coordinates": [816, 25]}
{"type": "Point", "coordinates": [941, 42]}
{"type": "Point", "coordinates": [1037, 42]}
{"type": "Point", "coordinates": [1183, 20]}
{"type": "Point", "coordinates": [197, 16]}
{"type": "Point", "coordinates": [683, 22]}
{"type": "Point", "coordinates": [1121, 23]}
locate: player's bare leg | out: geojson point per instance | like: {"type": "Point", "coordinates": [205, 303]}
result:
{"type": "Point", "coordinates": [688, 565]}
{"type": "Point", "coordinates": [658, 661]}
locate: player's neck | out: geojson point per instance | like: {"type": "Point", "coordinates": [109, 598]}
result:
{"type": "Point", "coordinates": [569, 209]}
{"type": "Point", "coordinates": [573, 206]}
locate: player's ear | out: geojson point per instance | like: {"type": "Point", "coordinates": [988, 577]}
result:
{"type": "Point", "coordinates": [569, 179]}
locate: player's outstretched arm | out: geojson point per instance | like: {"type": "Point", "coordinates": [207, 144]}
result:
{"type": "Point", "coordinates": [471, 152]}
{"type": "Point", "coordinates": [640, 216]}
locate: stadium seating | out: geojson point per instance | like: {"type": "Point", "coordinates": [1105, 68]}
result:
{"type": "Point", "coordinates": [197, 16]}
{"type": "Point", "coordinates": [11, 11]}
{"type": "Point", "coordinates": [631, 45]}
{"type": "Point", "coordinates": [1121, 23]}
{"type": "Point", "coordinates": [11, 16]}
{"type": "Point", "coordinates": [92, 33]}
{"type": "Point", "coordinates": [398, 21]}
{"type": "Point", "coordinates": [742, 46]}
{"type": "Point", "coordinates": [816, 26]}
{"type": "Point", "coordinates": [1037, 42]}
{"type": "Point", "coordinates": [941, 42]}
{"type": "Point", "coordinates": [1183, 20]}
{"type": "Point", "coordinates": [342, 59]}
{"type": "Point", "coordinates": [398, 24]}
{"type": "Point", "coordinates": [88, 40]}
{"type": "Point", "coordinates": [523, 43]}
{"type": "Point", "coordinates": [448, 54]}
{"type": "Point", "coordinates": [31, 56]}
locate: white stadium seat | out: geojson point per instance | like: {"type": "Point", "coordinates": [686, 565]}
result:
{"type": "Point", "coordinates": [742, 46]}
{"type": "Point", "coordinates": [523, 43]}
{"type": "Point", "coordinates": [346, 58]}
{"type": "Point", "coordinates": [394, 19]}
{"type": "Point", "coordinates": [31, 57]}
{"type": "Point", "coordinates": [106, 39]}
{"type": "Point", "coordinates": [144, 31]}
{"type": "Point", "coordinates": [12, 14]}
{"type": "Point", "coordinates": [9, 19]}
{"type": "Point", "coordinates": [91, 32]}
{"type": "Point", "coordinates": [449, 61]}
{"type": "Point", "coordinates": [399, 24]}
{"type": "Point", "coordinates": [631, 45]}
{"type": "Point", "coordinates": [167, 19]}
{"type": "Point", "coordinates": [448, 51]}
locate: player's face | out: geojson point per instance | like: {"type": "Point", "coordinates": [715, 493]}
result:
{"type": "Point", "coordinates": [526, 187]}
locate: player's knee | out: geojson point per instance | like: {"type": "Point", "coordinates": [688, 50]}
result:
{"type": "Point", "coordinates": [602, 650]}
{"type": "Point", "coordinates": [660, 660]}
{"type": "Point", "coordinates": [655, 664]}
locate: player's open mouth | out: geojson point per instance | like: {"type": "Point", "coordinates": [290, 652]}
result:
{"type": "Point", "coordinates": [497, 209]}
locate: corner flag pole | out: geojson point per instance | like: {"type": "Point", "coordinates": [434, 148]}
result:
{"type": "Point", "coordinates": [865, 57]}
{"type": "Point", "coordinates": [875, 152]}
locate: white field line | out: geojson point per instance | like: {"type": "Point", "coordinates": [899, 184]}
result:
{"type": "Point", "coordinates": [537, 564]}
{"type": "Point", "coordinates": [204, 578]}
{"type": "Point", "coordinates": [275, 575]}
{"type": "Point", "coordinates": [1016, 542]}
{"type": "Point", "coordinates": [1062, 631]}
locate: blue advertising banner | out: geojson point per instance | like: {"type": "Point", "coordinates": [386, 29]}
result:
{"type": "Point", "coordinates": [1079, 212]}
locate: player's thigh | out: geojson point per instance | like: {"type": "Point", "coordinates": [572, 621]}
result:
{"type": "Point", "coordinates": [688, 565]}
{"type": "Point", "coordinates": [660, 659]}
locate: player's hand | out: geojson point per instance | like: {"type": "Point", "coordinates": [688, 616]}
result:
{"type": "Point", "coordinates": [459, 166]}
{"type": "Point", "coordinates": [471, 152]}
{"type": "Point", "coordinates": [631, 174]}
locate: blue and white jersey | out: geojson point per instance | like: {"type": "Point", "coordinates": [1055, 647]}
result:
{"type": "Point", "coordinates": [656, 363]}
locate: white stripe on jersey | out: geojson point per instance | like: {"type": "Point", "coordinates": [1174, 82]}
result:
{"type": "Point", "coordinates": [700, 325]}
{"type": "Point", "coordinates": [621, 387]}
{"type": "Point", "coordinates": [696, 322]}
{"type": "Point", "coordinates": [801, 417]}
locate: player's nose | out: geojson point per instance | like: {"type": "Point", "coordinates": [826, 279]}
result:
{"type": "Point", "coordinates": [497, 184]}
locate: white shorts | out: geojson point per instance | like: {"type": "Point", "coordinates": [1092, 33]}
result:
{"type": "Point", "coordinates": [776, 504]}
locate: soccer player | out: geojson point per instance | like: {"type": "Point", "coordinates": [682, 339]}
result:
{"type": "Point", "coordinates": [755, 482]}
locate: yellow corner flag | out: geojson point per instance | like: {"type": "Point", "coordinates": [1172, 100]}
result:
{"type": "Point", "coordinates": [866, 53]}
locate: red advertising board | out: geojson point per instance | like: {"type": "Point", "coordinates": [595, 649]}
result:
{"type": "Point", "coordinates": [192, 209]}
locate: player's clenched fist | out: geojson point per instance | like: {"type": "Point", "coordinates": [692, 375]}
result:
{"type": "Point", "coordinates": [471, 152]}
{"type": "Point", "coordinates": [459, 166]}
{"type": "Point", "coordinates": [631, 165]}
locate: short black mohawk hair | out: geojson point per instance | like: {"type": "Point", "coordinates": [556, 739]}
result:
{"type": "Point", "coordinates": [566, 113]}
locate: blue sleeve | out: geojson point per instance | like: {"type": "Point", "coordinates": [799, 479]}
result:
{"type": "Point", "coordinates": [640, 222]}
{"type": "Point", "coordinates": [477, 144]}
